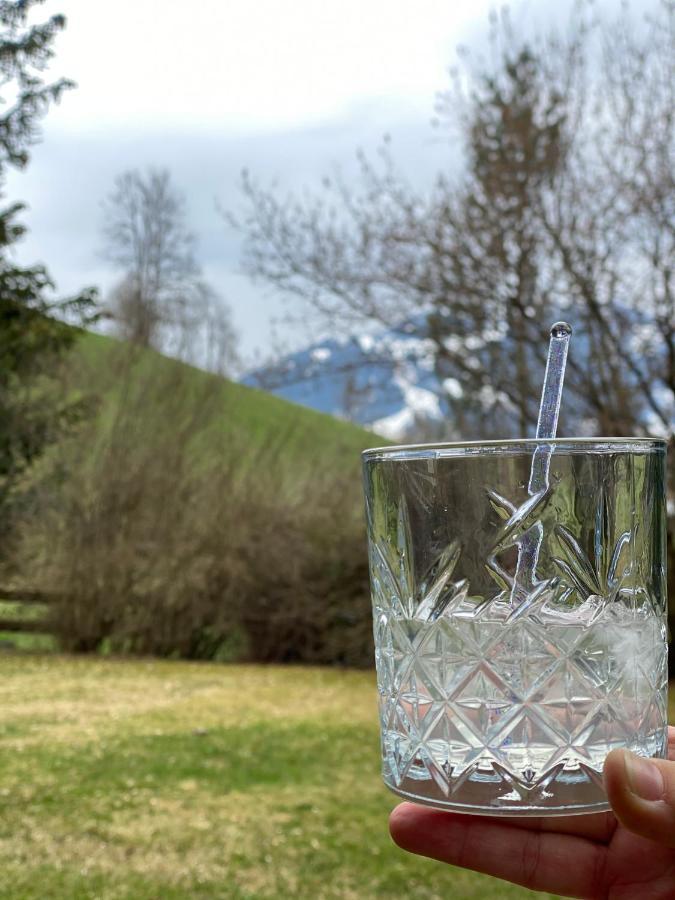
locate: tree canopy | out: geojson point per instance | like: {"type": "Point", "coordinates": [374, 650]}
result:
{"type": "Point", "coordinates": [564, 208]}
{"type": "Point", "coordinates": [33, 327]}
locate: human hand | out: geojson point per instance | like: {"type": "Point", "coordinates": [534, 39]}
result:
{"type": "Point", "coordinates": [628, 854]}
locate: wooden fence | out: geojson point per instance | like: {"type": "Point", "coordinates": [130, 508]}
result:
{"type": "Point", "coordinates": [30, 625]}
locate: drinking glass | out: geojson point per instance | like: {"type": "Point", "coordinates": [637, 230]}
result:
{"type": "Point", "coordinates": [518, 637]}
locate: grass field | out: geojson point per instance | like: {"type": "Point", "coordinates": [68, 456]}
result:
{"type": "Point", "coordinates": [145, 779]}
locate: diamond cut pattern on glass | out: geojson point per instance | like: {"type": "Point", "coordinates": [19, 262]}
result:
{"type": "Point", "coordinates": [525, 689]}
{"type": "Point", "coordinates": [604, 573]}
{"type": "Point", "coordinates": [393, 575]}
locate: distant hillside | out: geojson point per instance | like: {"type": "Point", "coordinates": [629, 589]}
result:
{"type": "Point", "coordinates": [256, 417]}
{"type": "Point", "coordinates": [384, 381]}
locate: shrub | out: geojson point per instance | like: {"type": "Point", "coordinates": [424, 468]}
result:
{"type": "Point", "coordinates": [166, 535]}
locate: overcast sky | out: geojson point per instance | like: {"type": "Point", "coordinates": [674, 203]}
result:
{"type": "Point", "coordinates": [286, 88]}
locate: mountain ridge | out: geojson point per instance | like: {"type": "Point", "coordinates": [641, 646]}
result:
{"type": "Point", "coordinates": [384, 381]}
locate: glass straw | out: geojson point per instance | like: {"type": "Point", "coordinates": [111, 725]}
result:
{"type": "Point", "coordinates": [547, 426]}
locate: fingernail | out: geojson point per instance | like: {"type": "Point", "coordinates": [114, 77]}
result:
{"type": "Point", "coordinates": [644, 778]}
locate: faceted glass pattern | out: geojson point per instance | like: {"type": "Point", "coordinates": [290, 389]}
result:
{"type": "Point", "coordinates": [503, 686]}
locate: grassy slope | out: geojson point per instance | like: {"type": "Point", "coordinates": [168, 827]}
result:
{"type": "Point", "coordinates": [256, 416]}
{"type": "Point", "coordinates": [138, 779]}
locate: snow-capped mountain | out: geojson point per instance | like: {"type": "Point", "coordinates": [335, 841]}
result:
{"type": "Point", "coordinates": [384, 381]}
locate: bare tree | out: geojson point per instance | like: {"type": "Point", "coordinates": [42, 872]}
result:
{"type": "Point", "coordinates": [148, 240]}
{"type": "Point", "coordinates": [137, 318]}
{"type": "Point", "coordinates": [565, 209]}
{"type": "Point", "coordinates": [203, 333]}
{"type": "Point", "coordinates": [162, 300]}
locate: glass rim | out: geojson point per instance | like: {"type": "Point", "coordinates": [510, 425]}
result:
{"type": "Point", "coordinates": [471, 448]}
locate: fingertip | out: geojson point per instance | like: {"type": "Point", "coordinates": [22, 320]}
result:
{"type": "Point", "coordinates": [614, 772]}
{"type": "Point", "coordinates": [642, 794]}
{"type": "Point", "coordinates": [671, 743]}
{"type": "Point", "coordinates": [641, 777]}
{"type": "Point", "coordinates": [402, 823]}
{"type": "Point", "coordinates": [624, 802]}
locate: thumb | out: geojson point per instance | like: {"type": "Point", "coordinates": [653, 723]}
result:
{"type": "Point", "coordinates": [642, 794]}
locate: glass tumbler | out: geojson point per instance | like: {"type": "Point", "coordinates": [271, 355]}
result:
{"type": "Point", "coordinates": [520, 634]}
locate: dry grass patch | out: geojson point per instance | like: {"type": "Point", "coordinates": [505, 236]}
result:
{"type": "Point", "coordinates": [72, 699]}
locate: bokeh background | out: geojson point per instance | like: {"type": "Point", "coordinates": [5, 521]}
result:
{"type": "Point", "coordinates": [239, 243]}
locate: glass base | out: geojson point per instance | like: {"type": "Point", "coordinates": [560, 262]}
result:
{"type": "Point", "coordinates": [512, 811]}
{"type": "Point", "coordinates": [566, 794]}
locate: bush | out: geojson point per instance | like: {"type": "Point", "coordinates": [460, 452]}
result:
{"type": "Point", "coordinates": [165, 535]}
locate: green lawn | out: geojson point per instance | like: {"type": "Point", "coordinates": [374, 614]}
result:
{"type": "Point", "coordinates": [146, 779]}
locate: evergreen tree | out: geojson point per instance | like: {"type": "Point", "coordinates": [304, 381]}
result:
{"type": "Point", "coordinates": [33, 334]}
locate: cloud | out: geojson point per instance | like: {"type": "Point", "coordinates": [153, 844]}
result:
{"type": "Point", "coordinates": [71, 172]}
{"type": "Point", "coordinates": [251, 65]}
{"type": "Point", "coordinates": [284, 89]}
